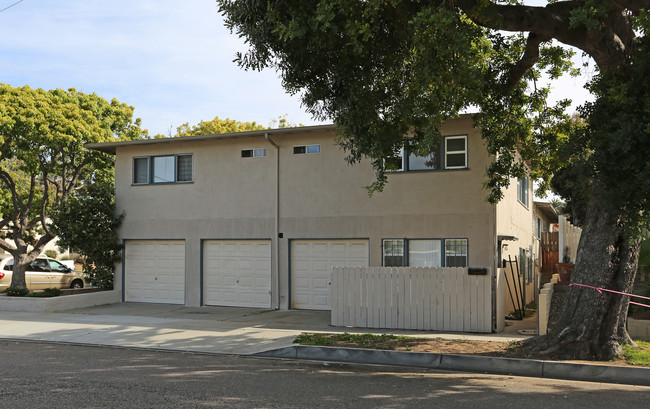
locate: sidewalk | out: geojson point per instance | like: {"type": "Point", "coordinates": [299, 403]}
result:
{"type": "Point", "coordinates": [225, 330]}
{"type": "Point", "coordinates": [270, 334]}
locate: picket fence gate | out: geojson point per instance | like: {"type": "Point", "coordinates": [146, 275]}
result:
{"type": "Point", "coordinates": [444, 299]}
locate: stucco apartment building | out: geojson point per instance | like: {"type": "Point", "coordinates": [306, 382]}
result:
{"type": "Point", "coordinates": [256, 219]}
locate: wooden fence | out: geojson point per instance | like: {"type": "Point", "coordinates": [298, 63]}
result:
{"type": "Point", "coordinates": [444, 299]}
{"type": "Point", "coordinates": [550, 252]}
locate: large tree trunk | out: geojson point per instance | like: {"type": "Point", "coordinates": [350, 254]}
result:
{"type": "Point", "coordinates": [22, 260]}
{"type": "Point", "coordinates": [592, 324]}
{"type": "Point", "coordinates": [18, 272]}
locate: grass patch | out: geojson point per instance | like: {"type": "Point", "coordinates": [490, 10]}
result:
{"type": "Point", "coordinates": [639, 355]}
{"type": "Point", "coordinates": [360, 340]}
{"type": "Point", "coordinates": [314, 339]}
{"type": "Point", "coordinates": [370, 339]}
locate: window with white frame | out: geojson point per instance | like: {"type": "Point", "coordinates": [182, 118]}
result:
{"type": "Point", "coordinates": [424, 252]}
{"type": "Point", "coordinates": [162, 169]}
{"type": "Point", "coordinates": [538, 228]}
{"type": "Point", "coordinates": [456, 152]}
{"type": "Point", "coordinates": [453, 152]}
{"type": "Point", "coordinates": [306, 149]}
{"type": "Point", "coordinates": [253, 153]}
{"type": "Point", "coordinates": [522, 190]}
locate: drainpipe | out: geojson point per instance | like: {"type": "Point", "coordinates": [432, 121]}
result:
{"type": "Point", "coordinates": [275, 288]}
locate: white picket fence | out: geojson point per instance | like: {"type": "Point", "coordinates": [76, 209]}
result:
{"type": "Point", "coordinates": [445, 299]}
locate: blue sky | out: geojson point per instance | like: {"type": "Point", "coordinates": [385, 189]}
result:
{"type": "Point", "coordinates": [170, 59]}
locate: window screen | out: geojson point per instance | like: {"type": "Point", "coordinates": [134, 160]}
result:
{"type": "Point", "coordinates": [184, 168]}
{"type": "Point", "coordinates": [456, 253]}
{"type": "Point", "coordinates": [141, 170]}
{"type": "Point", "coordinates": [393, 253]}
{"type": "Point", "coordinates": [456, 152]}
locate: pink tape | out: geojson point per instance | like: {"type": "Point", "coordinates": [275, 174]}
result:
{"type": "Point", "coordinates": [600, 290]}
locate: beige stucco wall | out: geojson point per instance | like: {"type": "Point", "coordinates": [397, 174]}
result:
{"type": "Point", "coordinates": [516, 219]}
{"type": "Point", "coordinates": [321, 196]}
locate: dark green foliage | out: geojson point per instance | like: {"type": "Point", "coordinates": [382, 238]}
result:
{"type": "Point", "coordinates": [44, 159]}
{"type": "Point", "coordinates": [313, 339]}
{"type": "Point", "coordinates": [17, 291]}
{"type": "Point", "coordinates": [389, 73]}
{"type": "Point", "coordinates": [87, 224]}
{"type": "Point", "coordinates": [46, 293]}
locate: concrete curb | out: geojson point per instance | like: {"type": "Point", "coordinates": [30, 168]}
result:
{"type": "Point", "coordinates": [468, 363]}
{"type": "Point", "coordinates": [58, 304]}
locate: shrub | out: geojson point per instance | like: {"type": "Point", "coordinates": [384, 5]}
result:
{"type": "Point", "coordinates": [52, 292]}
{"type": "Point", "coordinates": [48, 292]}
{"type": "Point", "coordinates": [51, 253]}
{"type": "Point", "coordinates": [17, 292]}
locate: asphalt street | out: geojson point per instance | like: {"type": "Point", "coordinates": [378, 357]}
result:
{"type": "Point", "coordinates": [39, 375]}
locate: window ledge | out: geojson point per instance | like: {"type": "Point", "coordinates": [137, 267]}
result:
{"type": "Point", "coordinates": [165, 183]}
{"type": "Point", "coordinates": [402, 172]}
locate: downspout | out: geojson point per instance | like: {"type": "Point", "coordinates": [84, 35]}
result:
{"type": "Point", "coordinates": [275, 288]}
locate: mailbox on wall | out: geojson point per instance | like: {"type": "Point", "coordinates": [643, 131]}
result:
{"type": "Point", "coordinates": [477, 271]}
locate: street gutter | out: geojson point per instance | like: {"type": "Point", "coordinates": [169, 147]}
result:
{"type": "Point", "coordinates": [468, 363]}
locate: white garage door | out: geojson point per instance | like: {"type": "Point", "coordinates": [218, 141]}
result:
{"type": "Point", "coordinates": [155, 271]}
{"type": "Point", "coordinates": [311, 261]}
{"type": "Point", "coordinates": [237, 273]}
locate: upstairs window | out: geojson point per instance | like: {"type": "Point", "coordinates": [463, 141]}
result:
{"type": "Point", "coordinates": [162, 169]}
{"type": "Point", "coordinates": [452, 154]}
{"type": "Point", "coordinates": [456, 152]}
{"type": "Point", "coordinates": [140, 171]}
{"type": "Point", "coordinates": [306, 149]}
{"type": "Point", "coordinates": [253, 153]}
{"type": "Point", "coordinates": [522, 190]}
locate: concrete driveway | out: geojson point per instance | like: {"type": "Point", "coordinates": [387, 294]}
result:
{"type": "Point", "coordinates": [226, 330]}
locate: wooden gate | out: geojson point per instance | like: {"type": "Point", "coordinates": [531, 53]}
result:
{"type": "Point", "coordinates": [550, 252]}
{"type": "Point", "coordinates": [444, 299]}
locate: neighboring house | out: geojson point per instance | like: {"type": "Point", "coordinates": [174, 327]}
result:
{"type": "Point", "coordinates": [256, 219]}
{"type": "Point", "coordinates": [545, 222]}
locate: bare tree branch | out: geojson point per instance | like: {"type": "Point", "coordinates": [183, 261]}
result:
{"type": "Point", "coordinates": [32, 193]}
{"type": "Point", "coordinates": [77, 172]}
{"type": "Point", "coordinates": [44, 202]}
{"type": "Point", "coordinates": [603, 44]}
{"type": "Point", "coordinates": [633, 5]}
{"type": "Point", "coordinates": [527, 61]}
{"type": "Point", "coordinates": [6, 246]}
{"type": "Point", "coordinates": [15, 198]}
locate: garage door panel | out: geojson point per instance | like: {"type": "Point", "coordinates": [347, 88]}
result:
{"type": "Point", "coordinates": [311, 262]}
{"type": "Point", "coordinates": [237, 273]}
{"type": "Point", "coordinates": [155, 271]}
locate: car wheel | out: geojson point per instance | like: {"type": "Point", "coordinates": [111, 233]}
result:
{"type": "Point", "coordinates": [77, 284]}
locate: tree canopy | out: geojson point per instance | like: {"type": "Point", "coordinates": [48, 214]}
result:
{"type": "Point", "coordinates": [217, 126]}
{"type": "Point", "coordinates": [43, 160]}
{"type": "Point", "coordinates": [381, 68]}
{"type": "Point", "coordinates": [87, 224]}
